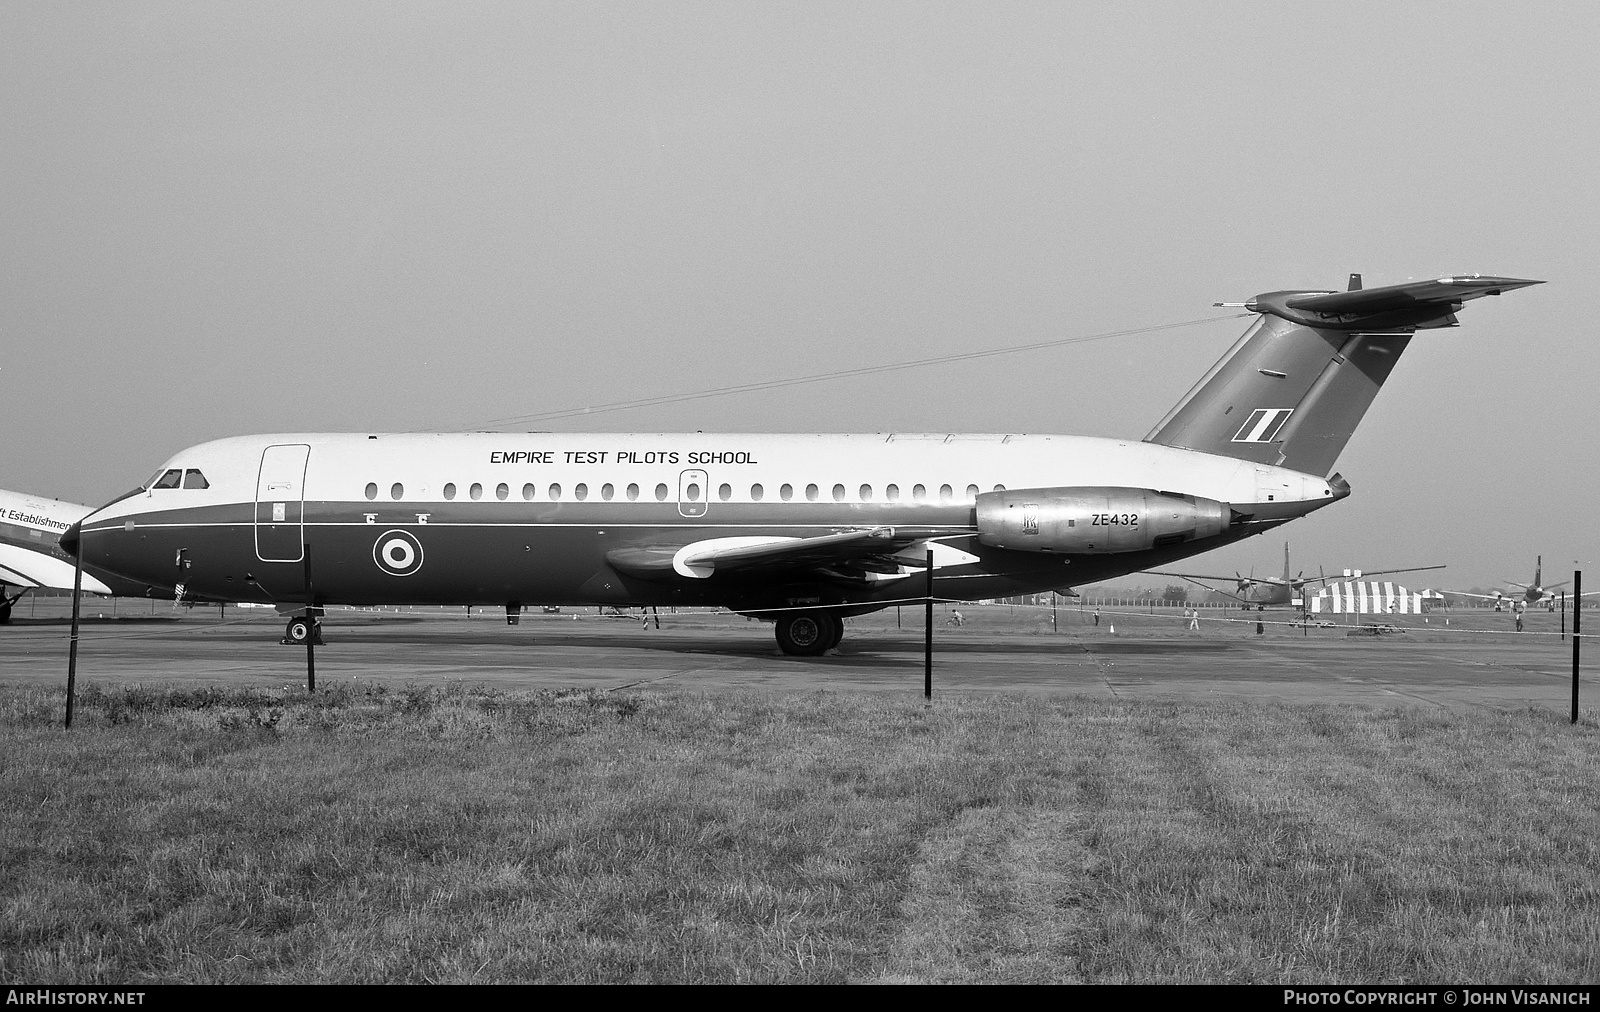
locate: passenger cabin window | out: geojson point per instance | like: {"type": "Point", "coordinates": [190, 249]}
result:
{"type": "Point", "coordinates": [838, 493]}
{"type": "Point", "coordinates": [866, 493]}
{"type": "Point", "coordinates": [194, 479]}
{"type": "Point", "coordinates": [972, 492]}
{"type": "Point", "coordinates": [633, 492]}
{"type": "Point", "coordinates": [946, 493]}
{"type": "Point", "coordinates": [172, 479]}
{"type": "Point", "coordinates": [607, 491]}
{"type": "Point", "coordinates": [476, 491]}
{"type": "Point", "coordinates": [918, 493]}
{"type": "Point", "coordinates": [396, 490]}
{"type": "Point", "coordinates": [372, 490]}
{"type": "Point", "coordinates": [725, 492]}
{"type": "Point", "coordinates": [449, 490]}
{"type": "Point", "coordinates": [527, 492]}
{"type": "Point", "coordinates": [811, 493]}
{"type": "Point", "coordinates": [892, 493]}
{"type": "Point", "coordinates": [786, 492]}
{"type": "Point", "coordinates": [501, 491]}
{"type": "Point", "coordinates": [555, 492]}
{"type": "Point", "coordinates": [661, 492]}
{"type": "Point", "coordinates": [756, 492]}
{"type": "Point", "coordinates": [581, 492]}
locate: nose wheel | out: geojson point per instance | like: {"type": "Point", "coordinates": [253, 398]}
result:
{"type": "Point", "coordinates": [301, 628]}
{"type": "Point", "coordinates": [808, 633]}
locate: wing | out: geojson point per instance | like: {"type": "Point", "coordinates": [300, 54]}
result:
{"type": "Point", "coordinates": [23, 567]}
{"type": "Point", "coordinates": [1195, 579]}
{"type": "Point", "coordinates": [862, 554]}
{"type": "Point", "coordinates": [1231, 578]}
{"type": "Point", "coordinates": [1374, 572]}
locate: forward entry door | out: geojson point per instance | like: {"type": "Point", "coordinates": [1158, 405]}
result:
{"type": "Point", "coordinates": [280, 503]}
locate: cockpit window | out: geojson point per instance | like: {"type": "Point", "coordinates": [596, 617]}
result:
{"type": "Point", "coordinates": [169, 480]}
{"type": "Point", "coordinates": [194, 479]}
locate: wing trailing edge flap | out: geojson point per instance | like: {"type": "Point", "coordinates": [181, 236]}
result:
{"type": "Point", "coordinates": [869, 553]}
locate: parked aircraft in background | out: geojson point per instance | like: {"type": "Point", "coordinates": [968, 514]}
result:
{"type": "Point", "coordinates": [31, 556]}
{"type": "Point", "coordinates": [1527, 593]}
{"type": "Point", "coordinates": [1276, 591]}
{"type": "Point", "coordinates": [801, 530]}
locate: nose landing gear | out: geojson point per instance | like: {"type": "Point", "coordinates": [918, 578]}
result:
{"type": "Point", "coordinates": [299, 628]}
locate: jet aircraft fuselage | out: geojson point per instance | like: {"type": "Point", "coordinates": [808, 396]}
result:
{"type": "Point", "coordinates": [526, 519]}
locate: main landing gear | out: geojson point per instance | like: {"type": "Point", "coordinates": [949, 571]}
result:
{"type": "Point", "coordinates": [299, 628]}
{"type": "Point", "coordinates": [809, 633]}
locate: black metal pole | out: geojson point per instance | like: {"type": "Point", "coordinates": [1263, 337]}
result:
{"type": "Point", "coordinates": [1577, 610]}
{"type": "Point", "coordinates": [927, 636]}
{"type": "Point", "coordinates": [311, 630]}
{"type": "Point", "coordinates": [72, 651]}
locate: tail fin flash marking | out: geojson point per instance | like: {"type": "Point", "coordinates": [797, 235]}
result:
{"type": "Point", "coordinates": [1262, 425]}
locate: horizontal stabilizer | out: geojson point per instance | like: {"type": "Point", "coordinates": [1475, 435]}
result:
{"type": "Point", "coordinates": [1416, 305]}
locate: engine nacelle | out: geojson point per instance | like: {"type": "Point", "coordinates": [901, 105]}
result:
{"type": "Point", "coordinates": [1096, 520]}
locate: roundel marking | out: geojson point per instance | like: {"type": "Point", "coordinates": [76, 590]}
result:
{"type": "Point", "coordinates": [397, 553]}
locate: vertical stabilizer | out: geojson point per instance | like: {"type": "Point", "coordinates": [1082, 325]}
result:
{"type": "Point", "coordinates": [1295, 386]}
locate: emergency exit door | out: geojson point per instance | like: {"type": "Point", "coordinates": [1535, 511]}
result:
{"type": "Point", "coordinates": [280, 503]}
{"type": "Point", "coordinates": [693, 493]}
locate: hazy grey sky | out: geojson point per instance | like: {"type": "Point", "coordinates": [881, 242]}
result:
{"type": "Point", "coordinates": [226, 218]}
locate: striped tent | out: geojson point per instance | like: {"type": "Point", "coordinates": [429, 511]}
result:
{"type": "Point", "coordinates": [1357, 597]}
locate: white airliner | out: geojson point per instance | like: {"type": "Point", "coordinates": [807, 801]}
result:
{"type": "Point", "coordinates": [802, 530]}
{"type": "Point", "coordinates": [31, 556]}
{"type": "Point", "coordinates": [1526, 593]}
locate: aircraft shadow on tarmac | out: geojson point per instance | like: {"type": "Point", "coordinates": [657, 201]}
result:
{"type": "Point", "coordinates": [863, 650]}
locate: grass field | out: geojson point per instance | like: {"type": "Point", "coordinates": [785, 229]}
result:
{"type": "Point", "coordinates": [468, 835]}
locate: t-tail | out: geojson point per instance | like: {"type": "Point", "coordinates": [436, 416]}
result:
{"type": "Point", "coordinates": [1292, 390]}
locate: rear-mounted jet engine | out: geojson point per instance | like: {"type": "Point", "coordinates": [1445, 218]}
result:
{"type": "Point", "coordinates": [1095, 521]}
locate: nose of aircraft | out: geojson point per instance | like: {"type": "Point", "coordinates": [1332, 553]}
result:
{"type": "Point", "coordinates": [69, 539]}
